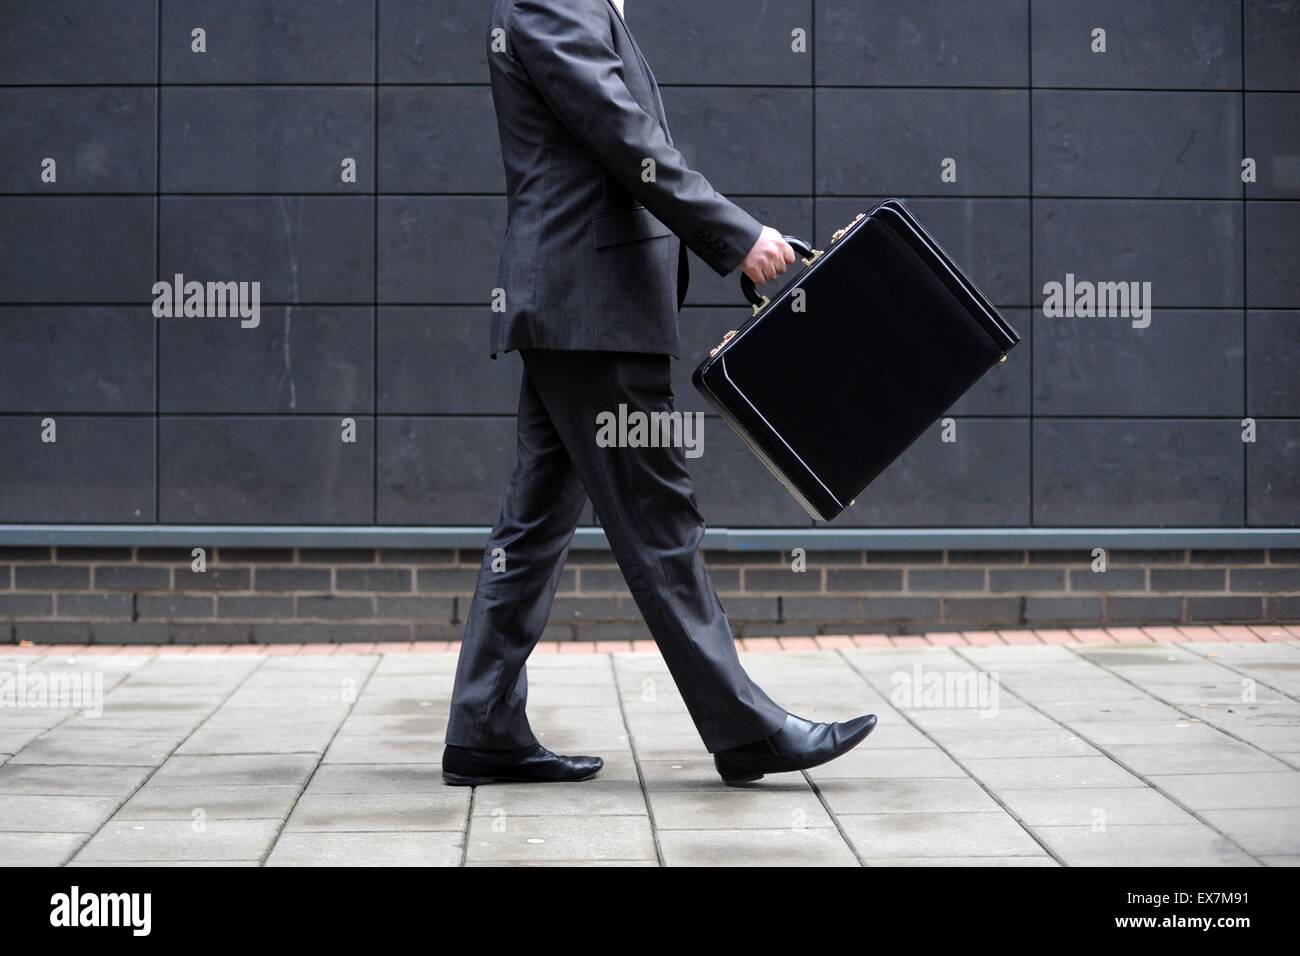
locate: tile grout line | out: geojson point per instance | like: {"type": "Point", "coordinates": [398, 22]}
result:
{"type": "Point", "coordinates": [978, 782]}
{"type": "Point", "coordinates": [821, 798]}
{"type": "Point", "coordinates": [157, 269]}
{"type": "Point", "coordinates": [636, 762]}
{"type": "Point", "coordinates": [1029, 319]}
{"type": "Point", "coordinates": [374, 268]}
{"type": "Point", "coordinates": [319, 760]}
{"type": "Point", "coordinates": [469, 820]}
{"type": "Point", "coordinates": [1245, 288]}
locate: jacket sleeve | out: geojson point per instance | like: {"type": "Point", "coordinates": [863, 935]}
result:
{"type": "Point", "coordinates": [568, 53]}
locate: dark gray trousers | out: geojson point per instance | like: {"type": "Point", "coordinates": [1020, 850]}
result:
{"type": "Point", "coordinates": [645, 503]}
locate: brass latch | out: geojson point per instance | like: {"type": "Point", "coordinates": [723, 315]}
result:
{"type": "Point", "coordinates": [726, 338]}
{"type": "Point", "coordinates": [817, 254]}
{"type": "Point", "coordinates": [840, 233]}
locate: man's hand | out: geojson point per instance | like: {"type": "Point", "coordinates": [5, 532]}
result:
{"type": "Point", "coordinates": [769, 257]}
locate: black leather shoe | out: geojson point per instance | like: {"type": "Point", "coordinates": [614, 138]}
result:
{"type": "Point", "coordinates": [798, 745]}
{"type": "Point", "coordinates": [469, 766]}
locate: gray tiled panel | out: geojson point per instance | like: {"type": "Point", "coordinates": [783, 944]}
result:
{"type": "Point", "coordinates": [734, 488]}
{"type": "Point", "coordinates": [435, 361]}
{"type": "Point", "coordinates": [439, 249]}
{"type": "Point", "coordinates": [728, 134]}
{"type": "Point", "coordinates": [1133, 473]}
{"type": "Point", "coordinates": [1272, 37]}
{"type": "Point", "coordinates": [894, 141]}
{"type": "Point", "coordinates": [433, 41]}
{"type": "Point", "coordinates": [938, 43]}
{"type": "Point", "coordinates": [265, 470]}
{"type": "Point", "coordinates": [445, 470]}
{"type": "Point", "coordinates": [269, 41]}
{"type": "Point", "coordinates": [298, 360]}
{"type": "Point", "coordinates": [1134, 143]}
{"type": "Point", "coordinates": [100, 469]}
{"type": "Point", "coordinates": [76, 359]}
{"type": "Point", "coordinates": [1273, 363]}
{"type": "Point", "coordinates": [980, 480]}
{"type": "Point", "coordinates": [71, 41]}
{"type": "Point", "coordinates": [1190, 251]}
{"type": "Point", "coordinates": [96, 249]}
{"type": "Point", "coordinates": [734, 42]}
{"type": "Point", "coordinates": [247, 139]}
{"type": "Point", "coordinates": [1183, 363]}
{"type": "Point", "coordinates": [1273, 141]}
{"type": "Point", "coordinates": [101, 139]}
{"type": "Point", "coordinates": [1162, 44]}
{"type": "Point", "coordinates": [1273, 244]}
{"type": "Point", "coordinates": [987, 238]}
{"type": "Point", "coordinates": [1140, 427]}
{"type": "Point", "coordinates": [1273, 475]}
{"type": "Point", "coordinates": [301, 248]}
{"type": "Point", "coordinates": [439, 139]}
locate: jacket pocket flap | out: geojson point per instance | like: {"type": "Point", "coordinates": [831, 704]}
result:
{"type": "Point", "coordinates": [629, 226]}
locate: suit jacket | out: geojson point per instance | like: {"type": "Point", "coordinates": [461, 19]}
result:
{"type": "Point", "coordinates": [595, 187]}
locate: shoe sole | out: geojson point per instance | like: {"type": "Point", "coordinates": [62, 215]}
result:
{"type": "Point", "coordinates": [461, 780]}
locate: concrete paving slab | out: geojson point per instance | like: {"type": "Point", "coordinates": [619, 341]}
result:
{"type": "Point", "coordinates": [71, 779]}
{"type": "Point", "coordinates": [114, 750]}
{"type": "Point", "coordinates": [865, 763]}
{"type": "Point", "coordinates": [152, 802]}
{"type": "Point", "coordinates": [386, 750]}
{"type": "Point", "coordinates": [597, 797]}
{"type": "Point", "coordinates": [55, 814]}
{"type": "Point", "coordinates": [275, 739]}
{"type": "Point", "coordinates": [1262, 832]}
{"type": "Point", "coordinates": [445, 809]}
{"type": "Point", "coordinates": [906, 796]}
{"type": "Point", "coordinates": [1220, 756]}
{"type": "Point", "coordinates": [1093, 806]}
{"type": "Point", "coordinates": [738, 809]}
{"type": "Point", "coordinates": [326, 758]}
{"type": "Point", "coordinates": [808, 847]}
{"type": "Point", "coordinates": [559, 839]}
{"type": "Point", "coordinates": [1188, 845]}
{"type": "Point", "coordinates": [1233, 791]}
{"type": "Point", "coordinates": [377, 778]}
{"type": "Point", "coordinates": [212, 839]}
{"type": "Point", "coordinates": [367, 849]}
{"type": "Point", "coordinates": [1019, 773]}
{"type": "Point", "coordinates": [1121, 710]}
{"type": "Point", "coordinates": [235, 770]}
{"type": "Point", "coordinates": [938, 834]}
{"type": "Point", "coordinates": [39, 849]}
{"type": "Point", "coordinates": [1011, 743]}
{"type": "Point", "coordinates": [968, 861]}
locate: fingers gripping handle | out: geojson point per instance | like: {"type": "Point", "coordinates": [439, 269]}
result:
{"type": "Point", "coordinates": [747, 284]}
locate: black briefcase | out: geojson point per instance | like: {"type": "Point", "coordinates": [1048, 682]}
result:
{"type": "Point", "coordinates": [835, 378]}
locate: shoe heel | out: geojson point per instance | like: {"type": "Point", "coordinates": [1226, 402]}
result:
{"type": "Point", "coordinates": [460, 780]}
{"type": "Point", "coordinates": [737, 781]}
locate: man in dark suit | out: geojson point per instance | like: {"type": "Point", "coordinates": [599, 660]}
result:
{"type": "Point", "coordinates": [593, 278]}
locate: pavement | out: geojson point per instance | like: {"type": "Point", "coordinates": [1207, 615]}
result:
{"type": "Point", "coordinates": [1007, 753]}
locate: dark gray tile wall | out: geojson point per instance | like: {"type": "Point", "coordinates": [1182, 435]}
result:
{"type": "Point", "coordinates": [227, 165]}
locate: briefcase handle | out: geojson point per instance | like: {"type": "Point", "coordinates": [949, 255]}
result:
{"type": "Point", "coordinates": [747, 284]}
